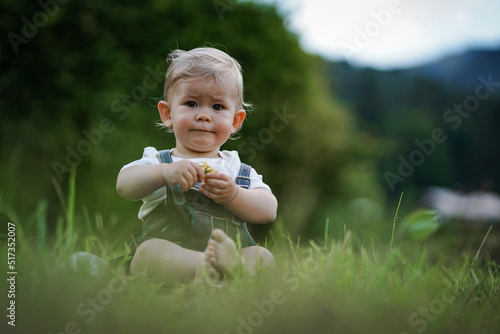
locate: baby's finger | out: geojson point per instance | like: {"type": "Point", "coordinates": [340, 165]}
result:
{"type": "Point", "coordinates": [218, 176]}
{"type": "Point", "coordinates": [215, 183]}
{"type": "Point", "coordinates": [192, 175]}
{"type": "Point", "coordinates": [184, 184]}
{"type": "Point", "coordinates": [209, 191]}
{"type": "Point", "coordinates": [204, 191]}
{"type": "Point", "coordinates": [198, 172]}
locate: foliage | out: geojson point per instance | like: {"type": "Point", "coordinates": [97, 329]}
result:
{"type": "Point", "coordinates": [420, 224]}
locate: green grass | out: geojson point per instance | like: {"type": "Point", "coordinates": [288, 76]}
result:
{"type": "Point", "coordinates": [329, 286]}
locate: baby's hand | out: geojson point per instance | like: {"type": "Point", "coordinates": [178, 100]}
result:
{"type": "Point", "coordinates": [183, 173]}
{"type": "Point", "coordinates": [220, 187]}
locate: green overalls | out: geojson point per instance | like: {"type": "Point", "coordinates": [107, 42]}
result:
{"type": "Point", "coordinates": [188, 218]}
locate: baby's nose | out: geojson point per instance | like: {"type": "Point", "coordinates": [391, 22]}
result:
{"type": "Point", "coordinates": [202, 117]}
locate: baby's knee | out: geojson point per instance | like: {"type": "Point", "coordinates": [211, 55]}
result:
{"type": "Point", "coordinates": [266, 257]}
{"type": "Point", "coordinates": [140, 260]}
{"type": "Point", "coordinates": [260, 255]}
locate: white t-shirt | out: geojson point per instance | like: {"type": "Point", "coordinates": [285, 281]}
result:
{"type": "Point", "coordinates": [228, 162]}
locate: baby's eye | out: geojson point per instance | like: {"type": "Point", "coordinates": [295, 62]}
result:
{"type": "Point", "coordinates": [191, 104]}
{"type": "Point", "coordinates": [218, 107]}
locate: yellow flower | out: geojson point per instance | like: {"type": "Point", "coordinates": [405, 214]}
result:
{"type": "Point", "coordinates": [207, 168]}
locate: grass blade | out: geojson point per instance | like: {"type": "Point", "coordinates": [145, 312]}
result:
{"type": "Point", "coordinates": [482, 244]}
{"type": "Point", "coordinates": [395, 217]}
{"type": "Point", "coordinates": [326, 233]}
{"type": "Point", "coordinates": [70, 214]}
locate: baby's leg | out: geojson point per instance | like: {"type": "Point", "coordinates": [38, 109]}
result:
{"type": "Point", "coordinates": [171, 263]}
{"type": "Point", "coordinates": [224, 256]}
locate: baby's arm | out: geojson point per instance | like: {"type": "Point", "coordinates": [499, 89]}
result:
{"type": "Point", "coordinates": [256, 206]}
{"type": "Point", "coordinates": [136, 182]}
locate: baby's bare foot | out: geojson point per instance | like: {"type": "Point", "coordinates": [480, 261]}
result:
{"type": "Point", "coordinates": [205, 270]}
{"type": "Point", "coordinates": [223, 254]}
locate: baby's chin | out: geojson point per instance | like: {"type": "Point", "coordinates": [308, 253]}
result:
{"type": "Point", "coordinates": [203, 151]}
{"type": "Point", "coordinates": [204, 145]}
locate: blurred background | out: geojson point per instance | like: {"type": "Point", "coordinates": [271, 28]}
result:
{"type": "Point", "coordinates": [356, 103]}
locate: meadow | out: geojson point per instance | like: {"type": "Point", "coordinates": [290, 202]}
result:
{"type": "Point", "coordinates": [336, 284]}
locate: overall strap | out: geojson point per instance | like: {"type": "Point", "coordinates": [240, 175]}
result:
{"type": "Point", "coordinates": [243, 178]}
{"type": "Point", "coordinates": [165, 157]}
{"type": "Point", "coordinates": [179, 197]}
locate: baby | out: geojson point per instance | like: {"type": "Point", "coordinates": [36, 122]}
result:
{"type": "Point", "coordinates": [194, 223]}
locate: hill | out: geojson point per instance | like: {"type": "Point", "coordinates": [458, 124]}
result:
{"type": "Point", "coordinates": [459, 95]}
{"type": "Point", "coordinates": [461, 70]}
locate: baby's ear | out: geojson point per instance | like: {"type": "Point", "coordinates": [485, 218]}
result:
{"type": "Point", "coordinates": [164, 110]}
{"type": "Point", "coordinates": [238, 119]}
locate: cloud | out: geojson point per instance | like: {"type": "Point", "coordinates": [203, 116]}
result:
{"type": "Point", "coordinates": [400, 32]}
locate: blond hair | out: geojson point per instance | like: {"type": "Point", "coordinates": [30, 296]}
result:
{"type": "Point", "coordinates": [204, 62]}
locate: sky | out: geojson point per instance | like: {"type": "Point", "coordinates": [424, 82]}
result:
{"type": "Point", "coordinates": [389, 34]}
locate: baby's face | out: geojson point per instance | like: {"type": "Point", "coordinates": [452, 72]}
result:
{"type": "Point", "coordinates": [203, 114]}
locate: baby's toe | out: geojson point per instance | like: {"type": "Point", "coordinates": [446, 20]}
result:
{"type": "Point", "coordinates": [218, 235]}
